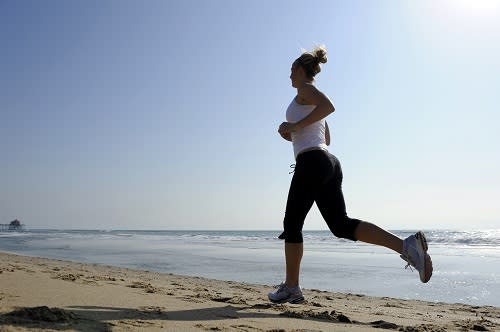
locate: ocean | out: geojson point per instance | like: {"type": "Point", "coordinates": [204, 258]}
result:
{"type": "Point", "coordinates": [466, 263]}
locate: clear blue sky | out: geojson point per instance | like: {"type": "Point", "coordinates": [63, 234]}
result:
{"type": "Point", "coordinates": [164, 114]}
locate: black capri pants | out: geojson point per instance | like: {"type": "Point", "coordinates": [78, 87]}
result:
{"type": "Point", "coordinates": [317, 178]}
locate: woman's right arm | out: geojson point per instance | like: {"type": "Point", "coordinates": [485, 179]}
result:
{"type": "Point", "coordinates": [312, 96]}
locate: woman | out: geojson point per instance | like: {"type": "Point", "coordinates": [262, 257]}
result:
{"type": "Point", "coordinates": [318, 178]}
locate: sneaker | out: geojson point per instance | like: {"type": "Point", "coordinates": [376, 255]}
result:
{"type": "Point", "coordinates": [284, 294]}
{"type": "Point", "coordinates": [415, 254]}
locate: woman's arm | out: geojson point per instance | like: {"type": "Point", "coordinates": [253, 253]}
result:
{"type": "Point", "coordinates": [313, 97]}
{"type": "Point", "coordinates": [327, 134]}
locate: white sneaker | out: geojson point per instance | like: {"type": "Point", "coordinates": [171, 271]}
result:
{"type": "Point", "coordinates": [415, 254]}
{"type": "Point", "coordinates": [284, 294]}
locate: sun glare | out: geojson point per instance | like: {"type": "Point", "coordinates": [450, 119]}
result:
{"type": "Point", "coordinates": [477, 6]}
{"type": "Point", "coordinates": [472, 15]}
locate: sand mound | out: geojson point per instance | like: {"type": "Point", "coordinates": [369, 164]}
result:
{"type": "Point", "coordinates": [44, 314]}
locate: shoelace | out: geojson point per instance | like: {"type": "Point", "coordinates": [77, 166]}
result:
{"type": "Point", "coordinates": [409, 266]}
{"type": "Point", "coordinates": [407, 259]}
{"type": "Point", "coordinates": [280, 288]}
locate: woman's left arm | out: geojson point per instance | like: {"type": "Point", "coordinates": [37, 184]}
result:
{"type": "Point", "coordinates": [327, 134]}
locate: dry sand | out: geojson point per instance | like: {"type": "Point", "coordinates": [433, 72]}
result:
{"type": "Point", "coordinates": [39, 294]}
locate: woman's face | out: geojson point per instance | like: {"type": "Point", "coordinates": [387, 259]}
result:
{"type": "Point", "coordinates": [296, 73]}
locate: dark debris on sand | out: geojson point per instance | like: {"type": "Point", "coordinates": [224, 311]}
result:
{"type": "Point", "coordinates": [43, 314]}
{"type": "Point", "coordinates": [325, 315]}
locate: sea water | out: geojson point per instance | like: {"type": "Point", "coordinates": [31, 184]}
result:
{"type": "Point", "coordinates": [466, 263]}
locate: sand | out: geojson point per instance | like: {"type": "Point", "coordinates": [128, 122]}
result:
{"type": "Point", "coordinates": [38, 294]}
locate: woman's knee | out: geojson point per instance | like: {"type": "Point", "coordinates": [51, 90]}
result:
{"type": "Point", "coordinates": [345, 228]}
{"type": "Point", "coordinates": [292, 236]}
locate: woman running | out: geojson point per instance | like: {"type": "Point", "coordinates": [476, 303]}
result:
{"type": "Point", "coordinates": [318, 178]}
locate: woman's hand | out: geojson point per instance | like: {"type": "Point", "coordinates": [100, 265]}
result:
{"type": "Point", "coordinates": [287, 128]}
{"type": "Point", "coordinates": [287, 136]}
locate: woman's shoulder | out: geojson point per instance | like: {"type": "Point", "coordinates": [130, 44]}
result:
{"type": "Point", "coordinates": [307, 89]}
{"type": "Point", "coordinates": [308, 92]}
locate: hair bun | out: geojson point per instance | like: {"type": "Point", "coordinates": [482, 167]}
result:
{"type": "Point", "coordinates": [319, 54]}
{"type": "Point", "coordinates": [310, 61]}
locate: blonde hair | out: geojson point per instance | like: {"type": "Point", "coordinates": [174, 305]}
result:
{"type": "Point", "coordinates": [310, 60]}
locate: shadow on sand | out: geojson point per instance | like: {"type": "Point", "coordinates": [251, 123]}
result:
{"type": "Point", "coordinates": [94, 318]}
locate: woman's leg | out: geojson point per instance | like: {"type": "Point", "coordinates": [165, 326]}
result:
{"type": "Point", "coordinates": [299, 202]}
{"type": "Point", "coordinates": [370, 233]}
{"type": "Point", "coordinates": [330, 201]}
{"type": "Point", "coordinates": [293, 257]}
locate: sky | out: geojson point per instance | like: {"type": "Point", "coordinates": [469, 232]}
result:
{"type": "Point", "coordinates": [164, 114]}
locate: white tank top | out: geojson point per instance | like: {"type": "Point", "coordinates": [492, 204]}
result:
{"type": "Point", "coordinates": [312, 136]}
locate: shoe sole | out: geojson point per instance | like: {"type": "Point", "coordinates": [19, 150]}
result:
{"type": "Point", "coordinates": [297, 300]}
{"type": "Point", "coordinates": [292, 301]}
{"type": "Point", "coordinates": [426, 274]}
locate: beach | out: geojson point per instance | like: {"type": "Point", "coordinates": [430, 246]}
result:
{"type": "Point", "coordinates": [466, 264]}
{"type": "Point", "coordinates": [52, 295]}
